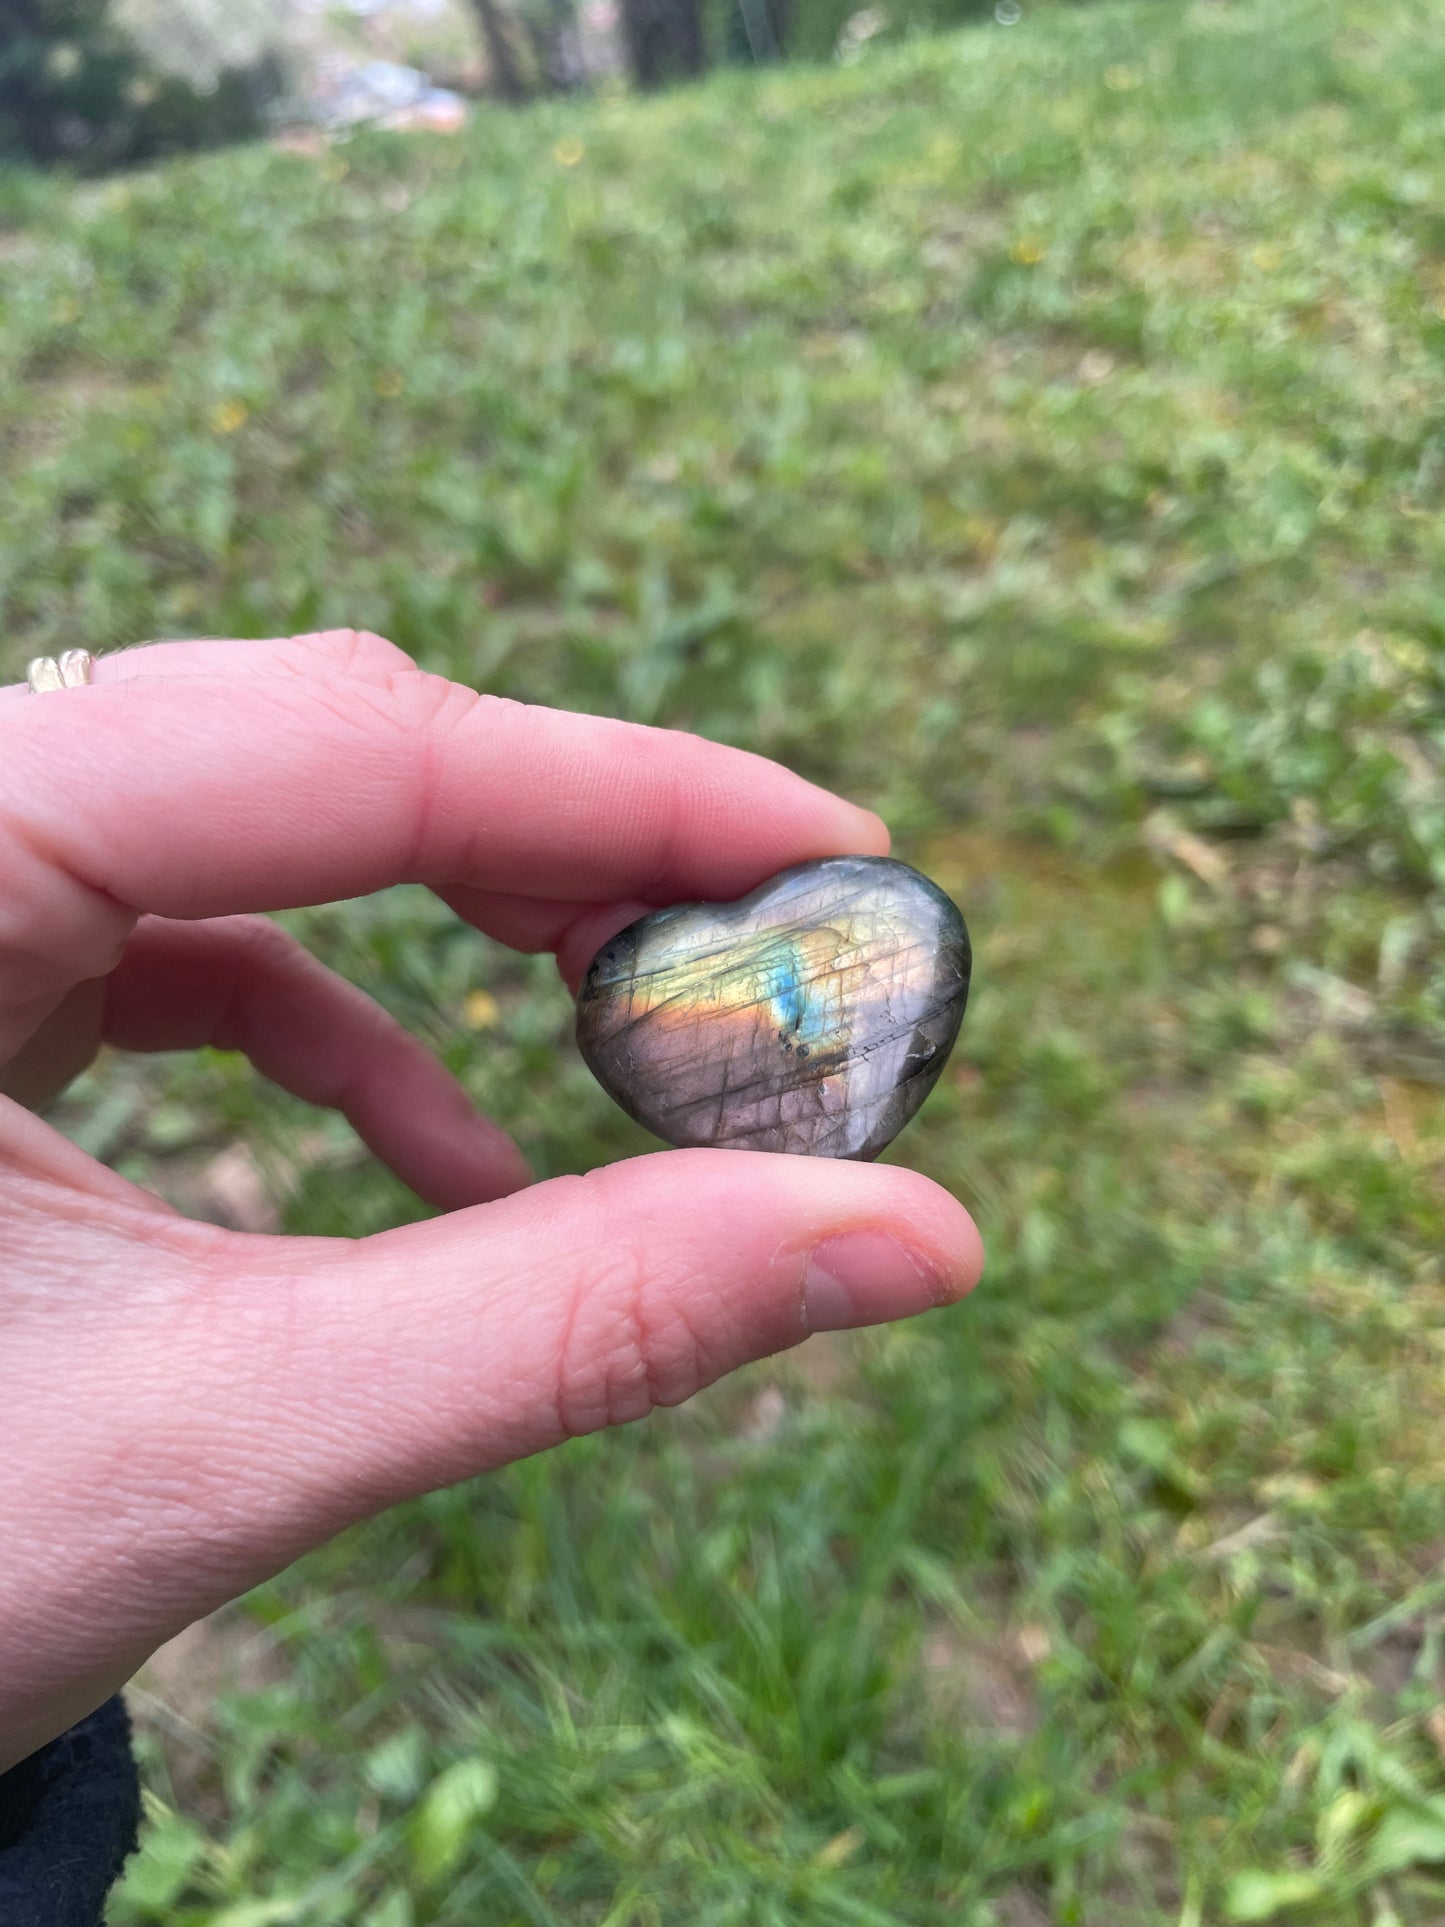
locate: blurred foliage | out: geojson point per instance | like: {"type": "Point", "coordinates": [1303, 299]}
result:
{"type": "Point", "coordinates": [74, 87]}
{"type": "Point", "coordinates": [1035, 433]}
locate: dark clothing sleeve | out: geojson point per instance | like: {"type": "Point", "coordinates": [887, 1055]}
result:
{"type": "Point", "coordinates": [68, 1818]}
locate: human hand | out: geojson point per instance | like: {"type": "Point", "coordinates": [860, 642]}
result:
{"type": "Point", "coordinates": [184, 1409]}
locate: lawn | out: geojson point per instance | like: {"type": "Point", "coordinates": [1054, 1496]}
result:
{"type": "Point", "coordinates": [1039, 434]}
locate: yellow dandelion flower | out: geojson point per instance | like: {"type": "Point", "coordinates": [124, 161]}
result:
{"type": "Point", "coordinates": [568, 152]}
{"type": "Point", "coordinates": [480, 1010]}
{"type": "Point", "coordinates": [1029, 250]}
{"type": "Point", "coordinates": [228, 416]}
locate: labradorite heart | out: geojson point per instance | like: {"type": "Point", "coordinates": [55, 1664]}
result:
{"type": "Point", "coordinates": [813, 1015]}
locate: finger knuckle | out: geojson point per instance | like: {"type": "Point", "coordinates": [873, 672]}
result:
{"type": "Point", "coordinates": [629, 1341]}
{"type": "Point", "coordinates": [260, 942]}
{"type": "Point", "coordinates": [358, 653]}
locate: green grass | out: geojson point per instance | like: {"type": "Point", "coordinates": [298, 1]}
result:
{"type": "Point", "coordinates": [1038, 434]}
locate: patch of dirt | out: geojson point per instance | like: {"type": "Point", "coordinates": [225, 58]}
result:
{"type": "Point", "coordinates": [1146, 1888]}
{"type": "Point", "coordinates": [757, 1402]}
{"type": "Point", "coordinates": [985, 1679]}
{"type": "Point", "coordinates": [1017, 1907]}
{"type": "Point", "coordinates": [174, 1697]}
{"type": "Point", "coordinates": [821, 1367]}
{"type": "Point", "coordinates": [227, 1189]}
{"type": "Point", "coordinates": [961, 858]}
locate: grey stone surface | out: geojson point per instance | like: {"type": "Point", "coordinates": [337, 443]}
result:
{"type": "Point", "coordinates": [813, 1015]}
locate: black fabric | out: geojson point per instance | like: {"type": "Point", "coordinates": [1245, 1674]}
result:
{"type": "Point", "coordinates": [68, 1818]}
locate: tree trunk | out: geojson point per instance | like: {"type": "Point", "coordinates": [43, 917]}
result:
{"type": "Point", "coordinates": [757, 31]}
{"type": "Point", "coordinates": [502, 62]}
{"type": "Point", "coordinates": [556, 48]}
{"type": "Point", "coordinates": [664, 40]}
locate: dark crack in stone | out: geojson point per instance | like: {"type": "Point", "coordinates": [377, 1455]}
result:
{"type": "Point", "coordinates": [813, 1015]}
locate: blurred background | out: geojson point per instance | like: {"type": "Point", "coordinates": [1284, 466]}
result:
{"type": "Point", "coordinates": [1032, 425]}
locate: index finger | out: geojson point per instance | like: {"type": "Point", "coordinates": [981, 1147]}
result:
{"type": "Point", "coordinates": [203, 779]}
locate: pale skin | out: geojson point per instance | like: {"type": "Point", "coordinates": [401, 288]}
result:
{"type": "Point", "coordinates": [183, 1409]}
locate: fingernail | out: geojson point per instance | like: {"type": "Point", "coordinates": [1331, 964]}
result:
{"type": "Point", "coordinates": [866, 1278]}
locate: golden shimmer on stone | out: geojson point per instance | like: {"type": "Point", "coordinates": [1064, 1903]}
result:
{"type": "Point", "coordinates": [813, 1015]}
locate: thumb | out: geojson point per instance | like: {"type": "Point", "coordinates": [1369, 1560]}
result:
{"type": "Point", "coordinates": [427, 1354]}
{"type": "Point", "coordinates": [258, 1394]}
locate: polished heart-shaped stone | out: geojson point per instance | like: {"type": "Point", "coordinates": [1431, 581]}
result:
{"type": "Point", "coordinates": [813, 1015]}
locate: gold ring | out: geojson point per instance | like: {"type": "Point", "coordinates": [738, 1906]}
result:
{"type": "Point", "coordinates": [70, 672]}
